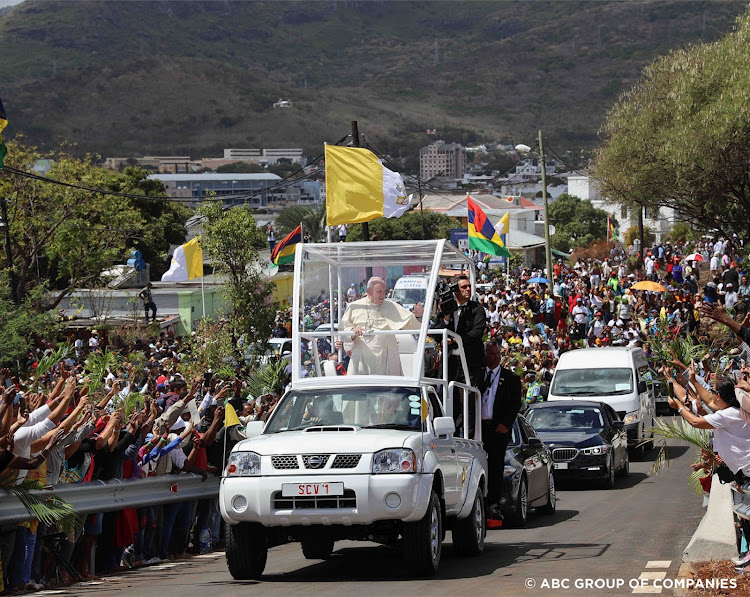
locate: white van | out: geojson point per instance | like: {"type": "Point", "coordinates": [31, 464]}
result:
{"type": "Point", "coordinates": [617, 376]}
{"type": "Point", "coordinates": [410, 290]}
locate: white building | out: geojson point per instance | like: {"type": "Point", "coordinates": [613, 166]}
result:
{"type": "Point", "coordinates": [660, 220]}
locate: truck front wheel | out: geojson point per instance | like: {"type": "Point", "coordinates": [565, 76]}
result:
{"type": "Point", "coordinates": [246, 550]}
{"type": "Point", "coordinates": [469, 532]}
{"type": "Point", "coordinates": [422, 540]}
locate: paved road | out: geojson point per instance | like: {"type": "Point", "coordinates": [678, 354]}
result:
{"type": "Point", "coordinates": [642, 526]}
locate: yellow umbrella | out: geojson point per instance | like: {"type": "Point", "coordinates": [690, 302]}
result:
{"type": "Point", "coordinates": [648, 285]}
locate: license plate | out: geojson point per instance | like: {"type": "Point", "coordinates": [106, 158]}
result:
{"type": "Point", "coordinates": [311, 489]}
{"type": "Point", "coordinates": [561, 465]}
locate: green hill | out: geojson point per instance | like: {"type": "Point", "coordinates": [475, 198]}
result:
{"type": "Point", "coordinates": [131, 78]}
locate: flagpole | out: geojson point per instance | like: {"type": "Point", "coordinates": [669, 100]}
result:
{"type": "Point", "coordinates": [203, 294]}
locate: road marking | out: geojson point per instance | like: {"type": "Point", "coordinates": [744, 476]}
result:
{"type": "Point", "coordinates": [659, 564]}
{"type": "Point", "coordinates": [653, 575]}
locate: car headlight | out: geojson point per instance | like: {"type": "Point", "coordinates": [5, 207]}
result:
{"type": "Point", "coordinates": [394, 460]}
{"type": "Point", "coordinates": [243, 464]}
{"type": "Point", "coordinates": [594, 450]}
{"type": "Point", "coordinates": [631, 418]}
{"type": "Point", "coordinates": [509, 471]}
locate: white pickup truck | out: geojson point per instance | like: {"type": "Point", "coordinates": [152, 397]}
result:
{"type": "Point", "coordinates": [360, 457]}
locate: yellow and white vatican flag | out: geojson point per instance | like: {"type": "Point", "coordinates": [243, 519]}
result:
{"type": "Point", "coordinates": [187, 262]}
{"type": "Point", "coordinates": [359, 188]}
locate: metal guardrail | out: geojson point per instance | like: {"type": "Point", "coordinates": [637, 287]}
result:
{"type": "Point", "coordinates": [101, 496]}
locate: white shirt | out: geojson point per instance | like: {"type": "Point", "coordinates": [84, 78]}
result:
{"type": "Point", "coordinates": [730, 299]}
{"type": "Point", "coordinates": [488, 398]}
{"type": "Point", "coordinates": [731, 438]}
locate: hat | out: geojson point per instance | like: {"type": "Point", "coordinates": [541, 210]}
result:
{"type": "Point", "coordinates": [729, 285]}
{"type": "Point", "coordinates": [578, 300]}
{"type": "Point", "coordinates": [179, 424]}
{"type": "Point", "coordinates": [598, 313]}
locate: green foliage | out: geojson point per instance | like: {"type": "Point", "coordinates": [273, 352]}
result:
{"type": "Point", "coordinates": [577, 223]}
{"type": "Point", "coordinates": [97, 364]}
{"type": "Point", "coordinates": [632, 233]}
{"type": "Point", "coordinates": [312, 218]}
{"type": "Point", "coordinates": [408, 227]}
{"type": "Point", "coordinates": [208, 349]}
{"type": "Point", "coordinates": [681, 232]}
{"type": "Point", "coordinates": [230, 241]}
{"type": "Point", "coordinates": [48, 509]}
{"type": "Point", "coordinates": [21, 324]}
{"type": "Point", "coordinates": [269, 378]}
{"type": "Point", "coordinates": [64, 237]}
{"type": "Point", "coordinates": [239, 167]}
{"type": "Point", "coordinates": [681, 136]}
{"type": "Point", "coordinates": [51, 359]}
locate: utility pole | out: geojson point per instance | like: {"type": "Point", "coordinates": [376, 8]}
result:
{"type": "Point", "coordinates": [8, 252]}
{"type": "Point", "coordinates": [640, 235]}
{"type": "Point", "coordinates": [355, 141]}
{"type": "Point", "coordinates": [547, 248]}
{"type": "Point", "coordinates": [421, 212]}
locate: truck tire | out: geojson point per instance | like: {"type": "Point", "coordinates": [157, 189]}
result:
{"type": "Point", "coordinates": [422, 540]}
{"type": "Point", "coordinates": [469, 532]}
{"type": "Point", "coordinates": [246, 550]}
{"type": "Point", "coordinates": [318, 548]}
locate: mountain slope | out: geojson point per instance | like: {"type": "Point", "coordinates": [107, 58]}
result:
{"type": "Point", "coordinates": [123, 78]}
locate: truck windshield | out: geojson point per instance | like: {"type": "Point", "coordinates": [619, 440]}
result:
{"type": "Point", "coordinates": [368, 407]}
{"type": "Point", "coordinates": [592, 382]}
{"type": "Point", "coordinates": [409, 296]}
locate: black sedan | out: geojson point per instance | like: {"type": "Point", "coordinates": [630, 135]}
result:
{"type": "Point", "coordinates": [587, 439]}
{"type": "Point", "coordinates": [528, 480]}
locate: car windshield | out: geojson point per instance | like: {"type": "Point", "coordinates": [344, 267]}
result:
{"type": "Point", "coordinates": [409, 296]}
{"type": "Point", "coordinates": [565, 418]}
{"type": "Point", "coordinates": [592, 382]}
{"type": "Point", "coordinates": [369, 407]}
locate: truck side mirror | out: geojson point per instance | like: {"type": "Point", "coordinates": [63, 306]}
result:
{"type": "Point", "coordinates": [535, 442]}
{"type": "Point", "coordinates": [444, 425]}
{"type": "Point", "coordinates": [254, 428]}
{"type": "Point", "coordinates": [618, 425]}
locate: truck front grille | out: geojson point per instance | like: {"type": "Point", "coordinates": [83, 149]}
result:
{"type": "Point", "coordinates": [315, 461]}
{"type": "Point", "coordinates": [562, 454]}
{"type": "Point", "coordinates": [284, 462]}
{"type": "Point", "coordinates": [348, 500]}
{"type": "Point", "coordinates": [346, 461]}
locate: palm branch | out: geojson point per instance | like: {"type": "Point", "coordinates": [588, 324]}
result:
{"type": "Point", "coordinates": [269, 378]}
{"type": "Point", "coordinates": [97, 364]}
{"type": "Point", "coordinates": [51, 359]}
{"type": "Point", "coordinates": [50, 510]}
{"type": "Point", "coordinates": [700, 438]}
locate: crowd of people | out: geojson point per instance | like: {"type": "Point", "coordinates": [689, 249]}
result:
{"type": "Point", "coordinates": [143, 422]}
{"type": "Point", "coordinates": [147, 420]}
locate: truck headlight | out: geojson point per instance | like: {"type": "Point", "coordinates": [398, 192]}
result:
{"type": "Point", "coordinates": [508, 471]}
{"type": "Point", "coordinates": [594, 450]}
{"type": "Point", "coordinates": [243, 464]}
{"type": "Point", "coordinates": [394, 460]}
{"type": "Point", "coordinates": [631, 418]}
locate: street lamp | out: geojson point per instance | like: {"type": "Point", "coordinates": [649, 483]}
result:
{"type": "Point", "coordinates": [547, 249]}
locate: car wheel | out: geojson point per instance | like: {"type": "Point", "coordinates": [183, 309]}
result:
{"type": "Point", "coordinates": [551, 505]}
{"type": "Point", "coordinates": [469, 532]}
{"type": "Point", "coordinates": [317, 549]}
{"type": "Point", "coordinates": [609, 480]}
{"type": "Point", "coordinates": [422, 540]}
{"type": "Point", "coordinates": [521, 513]}
{"type": "Point", "coordinates": [246, 550]}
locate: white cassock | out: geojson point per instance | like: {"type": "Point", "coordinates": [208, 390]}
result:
{"type": "Point", "coordinates": [376, 355]}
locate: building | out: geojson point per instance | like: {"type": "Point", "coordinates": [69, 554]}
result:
{"type": "Point", "coordinates": [659, 220]}
{"type": "Point", "coordinates": [442, 159]}
{"type": "Point", "coordinates": [257, 190]}
{"type": "Point", "coordinates": [166, 164]}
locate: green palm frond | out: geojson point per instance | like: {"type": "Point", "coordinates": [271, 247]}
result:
{"type": "Point", "coordinates": [695, 481]}
{"type": "Point", "coordinates": [700, 438]}
{"type": "Point", "coordinates": [50, 510]}
{"type": "Point", "coordinates": [97, 364]}
{"type": "Point", "coordinates": [271, 377]}
{"type": "Point", "coordinates": [50, 360]}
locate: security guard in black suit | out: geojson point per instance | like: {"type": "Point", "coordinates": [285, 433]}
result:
{"type": "Point", "coordinates": [469, 322]}
{"type": "Point", "coordinates": [501, 402]}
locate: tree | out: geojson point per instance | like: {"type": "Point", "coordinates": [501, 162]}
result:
{"type": "Point", "coordinates": [313, 220]}
{"type": "Point", "coordinates": [681, 136]}
{"type": "Point", "coordinates": [64, 237]}
{"type": "Point", "coordinates": [230, 241]}
{"type": "Point", "coordinates": [239, 168]}
{"type": "Point", "coordinates": [408, 227]}
{"type": "Point", "coordinates": [577, 223]}
{"type": "Point", "coordinates": [631, 234]}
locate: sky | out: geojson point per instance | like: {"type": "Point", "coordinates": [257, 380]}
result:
{"type": "Point", "coordinates": [4, 3]}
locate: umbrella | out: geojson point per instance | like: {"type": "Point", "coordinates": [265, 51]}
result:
{"type": "Point", "coordinates": [648, 285]}
{"type": "Point", "coordinates": [694, 257]}
{"type": "Point", "coordinates": [538, 280]}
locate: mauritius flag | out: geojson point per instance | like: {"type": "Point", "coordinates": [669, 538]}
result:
{"type": "Point", "coordinates": [482, 234]}
{"type": "Point", "coordinates": [283, 253]}
{"type": "Point", "coordinates": [3, 124]}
